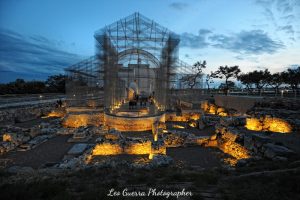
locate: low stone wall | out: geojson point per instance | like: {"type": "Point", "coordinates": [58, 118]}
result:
{"type": "Point", "coordinates": [25, 113]}
{"type": "Point", "coordinates": [116, 148]}
{"type": "Point", "coordinates": [184, 117]}
{"type": "Point", "coordinates": [83, 116]}
{"type": "Point", "coordinates": [131, 123]}
{"type": "Point", "coordinates": [76, 120]}
{"type": "Point", "coordinates": [240, 103]}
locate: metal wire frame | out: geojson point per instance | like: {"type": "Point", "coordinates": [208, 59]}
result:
{"type": "Point", "coordinates": [134, 40]}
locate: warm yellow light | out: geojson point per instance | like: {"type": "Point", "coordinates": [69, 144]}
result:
{"type": "Point", "coordinates": [193, 124]}
{"type": "Point", "coordinates": [107, 149]}
{"type": "Point", "coordinates": [195, 116]}
{"type": "Point", "coordinates": [151, 156]}
{"type": "Point", "coordinates": [55, 113]}
{"type": "Point", "coordinates": [138, 148]}
{"type": "Point", "coordinates": [223, 114]}
{"type": "Point", "coordinates": [236, 150]}
{"type": "Point", "coordinates": [277, 125]}
{"type": "Point", "coordinates": [268, 124]}
{"type": "Point", "coordinates": [178, 126]}
{"type": "Point", "coordinates": [253, 124]}
{"type": "Point", "coordinates": [77, 120]}
{"type": "Point", "coordinates": [231, 161]}
{"type": "Point", "coordinates": [6, 138]}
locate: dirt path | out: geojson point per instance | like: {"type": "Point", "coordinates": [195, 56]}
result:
{"type": "Point", "coordinates": [195, 156]}
{"type": "Point", "coordinates": [49, 152]}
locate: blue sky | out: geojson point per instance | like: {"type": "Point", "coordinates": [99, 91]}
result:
{"type": "Point", "coordinates": [41, 37]}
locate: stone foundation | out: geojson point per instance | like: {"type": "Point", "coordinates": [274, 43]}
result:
{"type": "Point", "coordinates": [184, 117]}
{"type": "Point", "coordinates": [77, 117]}
{"type": "Point", "coordinates": [132, 123]}
{"type": "Point", "coordinates": [25, 113]}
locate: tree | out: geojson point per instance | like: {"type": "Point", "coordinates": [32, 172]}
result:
{"type": "Point", "coordinates": [34, 87]}
{"type": "Point", "coordinates": [56, 83]}
{"type": "Point", "coordinates": [292, 78]}
{"type": "Point", "coordinates": [259, 79]}
{"type": "Point", "coordinates": [18, 86]}
{"type": "Point", "coordinates": [192, 79]}
{"type": "Point", "coordinates": [208, 80]}
{"type": "Point", "coordinates": [247, 81]}
{"type": "Point", "coordinates": [230, 85]}
{"type": "Point", "coordinates": [275, 81]}
{"type": "Point", "coordinates": [226, 73]}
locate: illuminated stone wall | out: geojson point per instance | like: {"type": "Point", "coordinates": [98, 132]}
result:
{"type": "Point", "coordinates": [107, 149]}
{"type": "Point", "coordinates": [186, 116]}
{"type": "Point", "coordinates": [268, 124]}
{"type": "Point", "coordinates": [135, 148]}
{"type": "Point", "coordinates": [234, 149]}
{"type": "Point", "coordinates": [213, 109]}
{"type": "Point", "coordinates": [77, 120]}
{"type": "Point", "coordinates": [138, 148]}
{"type": "Point", "coordinates": [132, 124]}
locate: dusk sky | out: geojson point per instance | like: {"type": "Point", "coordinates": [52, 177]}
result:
{"type": "Point", "coordinates": [42, 37]}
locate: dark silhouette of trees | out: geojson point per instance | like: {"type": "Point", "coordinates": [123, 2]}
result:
{"type": "Point", "coordinates": [292, 78]}
{"type": "Point", "coordinates": [208, 80]}
{"type": "Point", "coordinates": [257, 78]}
{"type": "Point", "coordinates": [192, 79]}
{"type": "Point", "coordinates": [19, 86]}
{"type": "Point", "coordinates": [260, 79]}
{"type": "Point", "coordinates": [230, 85]}
{"type": "Point", "coordinates": [275, 81]}
{"type": "Point", "coordinates": [247, 81]}
{"type": "Point", "coordinates": [226, 73]}
{"type": "Point", "coordinates": [54, 84]}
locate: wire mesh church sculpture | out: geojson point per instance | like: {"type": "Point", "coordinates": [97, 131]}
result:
{"type": "Point", "coordinates": [135, 58]}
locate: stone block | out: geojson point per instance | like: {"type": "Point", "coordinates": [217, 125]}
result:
{"type": "Point", "coordinates": [77, 149]}
{"type": "Point", "coordinates": [273, 150]}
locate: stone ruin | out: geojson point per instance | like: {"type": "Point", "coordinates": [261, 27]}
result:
{"type": "Point", "coordinates": [233, 136]}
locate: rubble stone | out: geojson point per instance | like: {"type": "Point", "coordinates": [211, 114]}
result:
{"type": "Point", "coordinates": [77, 149]}
{"type": "Point", "coordinates": [161, 160]}
{"type": "Point", "coordinates": [273, 150]}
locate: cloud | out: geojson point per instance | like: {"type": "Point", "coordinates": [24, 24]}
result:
{"type": "Point", "coordinates": [204, 31]}
{"type": "Point", "coordinates": [287, 29]}
{"type": "Point", "coordinates": [247, 42]}
{"type": "Point", "coordinates": [195, 41]}
{"type": "Point", "coordinates": [282, 13]}
{"type": "Point", "coordinates": [288, 18]}
{"type": "Point", "coordinates": [285, 6]}
{"type": "Point", "coordinates": [282, 6]}
{"type": "Point", "coordinates": [33, 55]}
{"type": "Point", "coordinates": [178, 5]}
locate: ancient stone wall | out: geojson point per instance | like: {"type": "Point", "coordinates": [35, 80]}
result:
{"type": "Point", "coordinates": [132, 123]}
{"type": "Point", "coordinates": [240, 103]}
{"type": "Point", "coordinates": [184, 117]}
{"type": "Point", "coordinates": [25, 113]}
